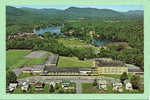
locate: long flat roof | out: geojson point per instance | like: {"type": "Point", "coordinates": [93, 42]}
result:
{"type": "Point", "coordinates": [109, 63]}
{"type": "Point", "coordinates": [63, 69]}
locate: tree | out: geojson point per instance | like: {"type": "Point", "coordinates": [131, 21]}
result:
{"type": "Point", "coordinates": [123, 77]}
{"type": "Point", "coordinates": [61, 90]}
{"type": "Point", "coordinates": [51, 88]}
{"type": "Point", "coordinates": [47, 34]}
{"type": "Point", "coordinates": [10, 77]}
{"type": "Point", "coordinates": [135, 81]}
{"type": "Point", "coordinates": [57, 86]}
{"type": "Point", "coordinates": [35, 48]}
{"type": "Point", "coordinates": [95, 82]}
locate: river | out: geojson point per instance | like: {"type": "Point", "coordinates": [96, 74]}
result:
{"type": "Point", "coordinates": [57, 30]}
{"type": "Point", "coordinates": [52, 30]}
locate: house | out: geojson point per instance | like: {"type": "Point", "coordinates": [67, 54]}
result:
{"type": "Point", "coordinates": [12, 87]}
{"type": "Point", "coordinates": [66, 83]}
{"type": "Point", "coordinates": [26, 69]}
{"type": "Point", "coordinates": [51, 60]}
{"type": "Point", "coordinates": [39, 86]}
{"type": "Point", "coordinates": [25, 87]}
{"type": "Point", "coordinates": [128, 86]}
{"type": "Point", "coordinates": [37, 69]}
{"type": "Point", "coordinates": [102, 84]}
{"type": "Point", "coordinates": [52, 83]}
{"type": "Point", "coordinates": [109, 66]}
{"type": "Point", "coordinates": [117, 86]}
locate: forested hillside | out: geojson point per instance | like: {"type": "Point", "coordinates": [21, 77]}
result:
{"type": "Point", "coordinates": [86, 24]}
{"type": "Point", "coordinates": [25, 19]}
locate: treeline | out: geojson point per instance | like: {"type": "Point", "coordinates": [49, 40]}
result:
{"type": "Point", "coordinates": [49, 43]}
{"type": "Point", "coordinates": [15, 26]}
{"type": "Point", "coordinates": [114, 31]}
{"type": "Point", "coordinates": [130, 31]}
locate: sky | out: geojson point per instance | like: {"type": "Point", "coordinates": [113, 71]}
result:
{"type": "Point", "coordinates": [122, 8]}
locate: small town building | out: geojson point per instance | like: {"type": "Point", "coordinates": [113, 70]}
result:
{"type": "Point", "coordinates": [85, 70]}
{"type": "Point", "coordinates": [37, 69]}
{"type": "Point", "coordinates": [26, 69]}
{"type": "Point", "coordinates": [102, 84]}
{"type": "Point", "coordinates": [25, 87]}
{"type": "Point", "coordinates": [128, 86]}
{"type": "Point", "coordinates": [66, 70]}
{"type": "Point", "coordinates": [39, 86]}
{"type": "Point", "coordinates": [12, 87]}
{"type": "Point", "coordinates": [117, 86]}
{"type": "Point", "coordinates": [52, 83]}
{"type": "Point", "coordinates": [109, 66]}
{"type": "Point", "coordinates": [134, 69]}
{"type": "Point", "coordinates": [66, 83]}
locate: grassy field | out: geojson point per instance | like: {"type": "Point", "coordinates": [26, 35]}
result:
{"type": "Point", "coordinates": [115, 75]}
{"type": "Point", "coordinates": [89, 88]}
{"type": "Point", "coordinates": [73, 62]}
{"type": "Point", "coordinates": [71, 42]}
{"type": "Point", "coordinates": [23, 75]}
{"type": "Point", "coordinates": [15, 58]}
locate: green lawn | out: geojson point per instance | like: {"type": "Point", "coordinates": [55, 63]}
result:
{"type": "Point", "coordinates": [32, 90]}
{"type": "Point", "coordinates": [45, 90]}
{"type": "Point", "coordinates": [15, 58]}
{"type": "Point", "coordinates": [71, 42]}
{"type": "Point", "coordinates": [115, 75]}
{"type": "Point", "coordinates": [73, 62]}
{"type": "Point", "coordinates": [89, 88]}
{"type": "Point", "coordinates": [23, 75]}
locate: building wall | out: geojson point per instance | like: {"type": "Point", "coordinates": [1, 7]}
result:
{"type": "Point", "coordinates": [36, 71]}
{"type": "Point", "coordinates": [49, 65]}
{"type": "Point", "coordinates": [26, 71]}
{"type": "Point", "coordinates": [112, 70]}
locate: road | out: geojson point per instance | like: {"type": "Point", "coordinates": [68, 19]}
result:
{"type": "Point", "coordinates": [77, 79]}
{"type": "Point", "coordinates": [78, 86]}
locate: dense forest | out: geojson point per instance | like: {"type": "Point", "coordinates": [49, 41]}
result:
{"type": "Point", "coordinates": [82, 23]}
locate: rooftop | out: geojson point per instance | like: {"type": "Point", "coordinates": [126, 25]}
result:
{"type": "Point", "coordinates": [104, 62]}
{"type": "Point", "coordinates": [63, 69]}
{"type": "Point", "coordinates": [38, 67]}
{"type": "Point", "coordinates": [39, 84]}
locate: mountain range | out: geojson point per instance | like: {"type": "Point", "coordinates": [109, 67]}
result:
{"type": "Point", "coordinates": [73, 13]}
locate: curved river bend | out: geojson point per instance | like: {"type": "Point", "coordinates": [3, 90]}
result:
{"type": "Point", "coordinates": [57, 30]}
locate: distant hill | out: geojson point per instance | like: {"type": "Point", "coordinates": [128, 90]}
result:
{"type": "Point", "coordinates": [73, 13]}
{"type": "Point", "coordinates": [135, 13]}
